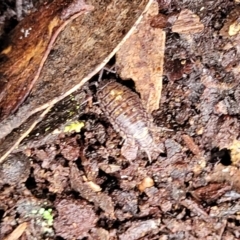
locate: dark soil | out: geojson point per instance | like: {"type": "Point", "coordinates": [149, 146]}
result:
{"type": "Point", "coordinates": [80, 187]}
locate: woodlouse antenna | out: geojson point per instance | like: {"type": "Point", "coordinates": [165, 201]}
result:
{"type": "Point", "coordinates": [108, 70]}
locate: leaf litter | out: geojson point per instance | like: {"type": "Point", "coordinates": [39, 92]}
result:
{"type": "Point", "coordinates": [190, 192]}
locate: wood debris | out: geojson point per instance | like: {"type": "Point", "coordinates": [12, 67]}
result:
{"type": "Point", "coordinates": [191, 144]}
{"type": "Point", "coordinates": [187, 23]}
{"type": "Point", "coordinates": [17, 233]}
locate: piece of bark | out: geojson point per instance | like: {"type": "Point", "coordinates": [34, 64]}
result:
{"type": "Point", "coordinates": [28, 47]}
{"type": "Point", "coordinates": [187, 23]}
{"type": "Point", "coordinates": [141, 59]}
{"type": "Point", "coordinates": [82, 49]}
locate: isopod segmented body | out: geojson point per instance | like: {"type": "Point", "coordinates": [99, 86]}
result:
{"type": "Point", "coordinates": [126, 113]}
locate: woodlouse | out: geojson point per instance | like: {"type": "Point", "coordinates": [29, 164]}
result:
{"type": "Point", "coordinates": [127, 115]}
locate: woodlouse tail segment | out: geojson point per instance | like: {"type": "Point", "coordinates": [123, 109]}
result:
{"type": "Point", "coordinates": [129, 150]}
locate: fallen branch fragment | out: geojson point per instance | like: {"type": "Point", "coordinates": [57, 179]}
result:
{"type": "Point", "coordinates": [82, 50]}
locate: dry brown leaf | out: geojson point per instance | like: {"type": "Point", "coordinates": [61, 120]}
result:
{"type": "Point", "coordinates": [141, 58]}
{"type": "Point", "coordinates": [187, 23]}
